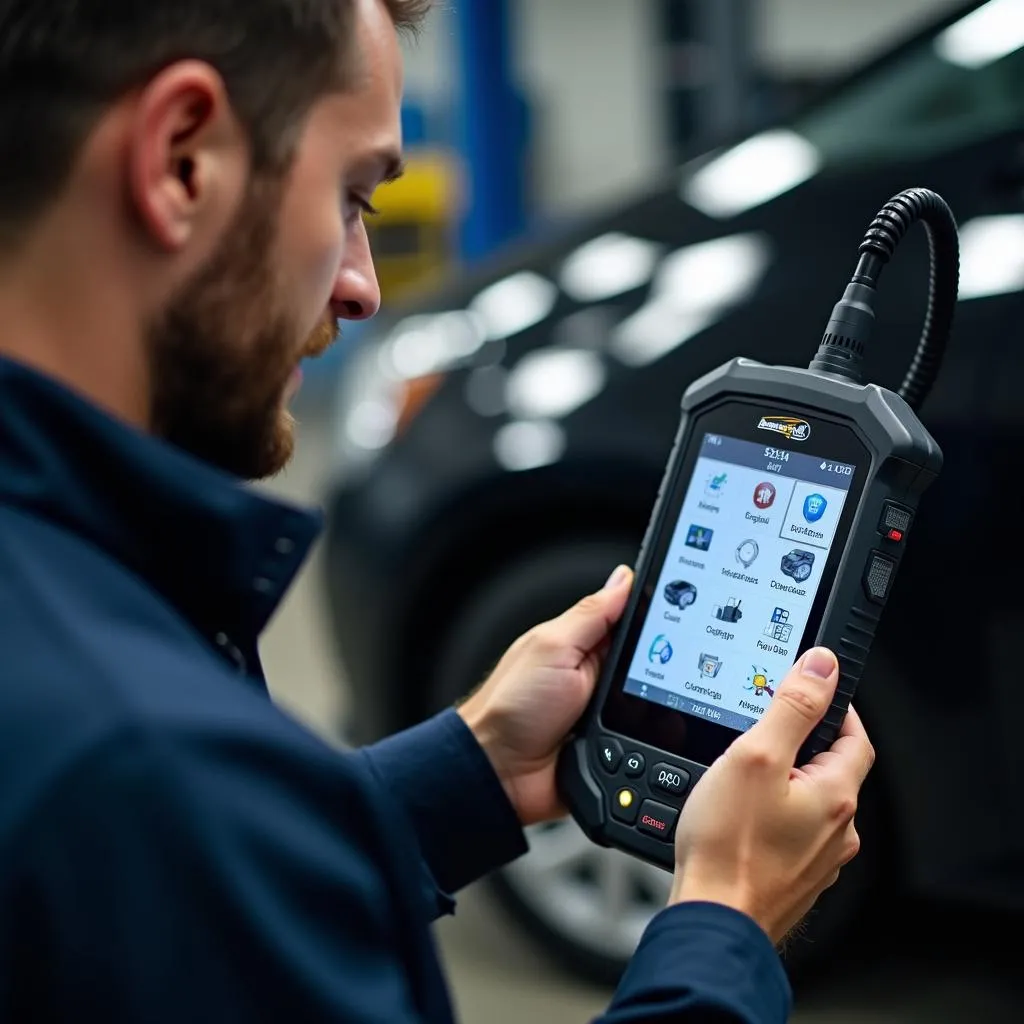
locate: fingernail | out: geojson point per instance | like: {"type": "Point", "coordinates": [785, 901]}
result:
{"type": "Point", "coordinates": [818, 662]}
{"type": "Point", "coordinates": [617, 578]}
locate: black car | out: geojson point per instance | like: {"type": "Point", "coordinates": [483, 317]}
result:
{"type": "Point", "coordinates": [498, 448]}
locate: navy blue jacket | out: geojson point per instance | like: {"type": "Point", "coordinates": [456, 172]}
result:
{"type": "Point", "coordinates": [173, 847]}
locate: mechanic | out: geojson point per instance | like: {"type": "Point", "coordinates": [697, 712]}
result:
{"type": "Point", "coordinates": [182, 204]}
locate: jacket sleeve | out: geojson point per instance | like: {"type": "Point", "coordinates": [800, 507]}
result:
{"type": "Point", "coordinates": [226, 877]}
{"type": "Point", "coordinates": [463, 820]}
{"type": "Point", "coordinates": [704, 963]}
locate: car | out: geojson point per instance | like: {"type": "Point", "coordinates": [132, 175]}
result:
{"type": "Point", "coordinates": [498, 445]}
{"type": "Point", "coordinates": [680, 593]}
{"type": "Point", "coordinates": [798, 564]}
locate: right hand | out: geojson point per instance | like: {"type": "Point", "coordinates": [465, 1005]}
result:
{"type": "Point", "coordinates": [762, 836]}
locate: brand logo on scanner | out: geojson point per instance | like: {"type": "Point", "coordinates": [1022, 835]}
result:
{"type": "Point", "coordinates": [788, 426]}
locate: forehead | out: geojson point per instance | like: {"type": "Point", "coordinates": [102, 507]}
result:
{"type": "Point", "coordinates": [362, 124]}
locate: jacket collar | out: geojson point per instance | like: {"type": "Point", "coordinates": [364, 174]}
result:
{"type": "Point", "coordinates": [220, 552]}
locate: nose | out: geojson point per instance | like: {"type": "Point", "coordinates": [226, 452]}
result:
{"type": "Point", "coordinates": [356, 294]}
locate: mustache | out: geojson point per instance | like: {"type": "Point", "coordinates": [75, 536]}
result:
{"type": "Point", "coordinates": [322, 338]}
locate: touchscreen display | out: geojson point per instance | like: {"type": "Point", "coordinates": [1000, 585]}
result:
{"type": "Point", "coordinates": [740, 576]}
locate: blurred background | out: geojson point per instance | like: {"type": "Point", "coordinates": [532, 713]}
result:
{"type": "Point", "coordinates": [605, 199]}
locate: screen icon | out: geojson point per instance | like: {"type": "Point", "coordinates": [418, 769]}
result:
{"type": "Point", "coordinates": [699, 537]}
{"type": "Point", "coordinates": [680, 593]}
{"type": "Point", "coordinates": [730, 611]}
{"type": "Point", "coordinates": [764, 494]}
{"type": "Point", "coordinates": [660, 650]}
{"type": "Point", "coordinates": [759, 681]}
{"type": "Point", "coordinates": [814, 507]}
{"type": "Point", "coordinates": [779, 628]}
{"type": "Point", "coordinates": [798, 564]}
{"type": "Point", "coordinates": [746, 552]}
{"type": "Point", "coordinates": [715, 485]}
{"type": "Point", "coordinates": [709, 665]}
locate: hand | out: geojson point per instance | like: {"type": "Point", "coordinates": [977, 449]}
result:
{"type": "Point", "coordinates": [762, 836]}
{"type": "Point", "coordinates": [524, 711]}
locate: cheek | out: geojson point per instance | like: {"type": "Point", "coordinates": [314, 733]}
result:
{"type": "Point", "coordinates": [313, 245]}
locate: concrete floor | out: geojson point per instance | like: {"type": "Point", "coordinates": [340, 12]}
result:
{"type": "Point", "coordinates": [498, 977]}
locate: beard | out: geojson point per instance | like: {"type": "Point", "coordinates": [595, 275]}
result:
{"type": "Point", "coordinates": [224, 350]}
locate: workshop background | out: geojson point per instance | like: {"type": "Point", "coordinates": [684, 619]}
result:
{"type": "Point", "coordinates": [588, 139]}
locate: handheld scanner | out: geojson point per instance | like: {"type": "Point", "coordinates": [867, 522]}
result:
{"type": "Point", "coordinates": [786, 506]}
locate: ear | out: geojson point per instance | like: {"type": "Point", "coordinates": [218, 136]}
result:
{"type": "Point", "coordinates": [188, 156]}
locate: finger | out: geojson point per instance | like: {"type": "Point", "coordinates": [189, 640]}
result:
{"type": "Point", "coordinates": [851, 756]}
{"type": "Point", "coordinates": [799, 704]}
{"type": "Point", "coordinates": [588, 622]}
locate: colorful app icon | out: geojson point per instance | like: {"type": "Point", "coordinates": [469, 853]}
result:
{"type": "Point", "coordinates": [715, 485]}
{"type": "Point", "coordinates": [759, 681]}
{"type": "Point", "coordinates": [709, 665]}
{"type": "Point", "coordinates": [660, 650]}
{"type": "Point", "coordinates": [764, 494]}
{"type": "Point", "coordinates": [779, 628]}
{"type": "Point", "coordinates": [814, 507]}
{"type": "Point", "coordinates": [699, 537]}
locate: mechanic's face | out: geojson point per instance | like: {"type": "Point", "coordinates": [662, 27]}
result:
{"type": "Point", "coordinates": [296, 260]}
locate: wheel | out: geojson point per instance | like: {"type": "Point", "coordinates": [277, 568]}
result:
{"type": "Point", "coordinates": [587, 906]}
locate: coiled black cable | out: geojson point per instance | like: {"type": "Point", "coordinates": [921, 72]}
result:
{"type": "Point", "coordinates": [842, 346]}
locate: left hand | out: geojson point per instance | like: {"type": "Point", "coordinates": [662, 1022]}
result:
{"type": "Point", "coordinates": [522, 714]}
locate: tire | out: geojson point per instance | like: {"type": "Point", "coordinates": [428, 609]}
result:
{"type": "Point", "coordinates": [587, 906]}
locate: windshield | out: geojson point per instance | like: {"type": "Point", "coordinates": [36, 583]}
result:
{"type": "Point", "coordinates": [959, 87]}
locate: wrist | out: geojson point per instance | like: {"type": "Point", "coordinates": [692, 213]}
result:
{"type": "Point", "coordinates": [735, 897]}
{"type": "Point", "coordinates": [481, 724]}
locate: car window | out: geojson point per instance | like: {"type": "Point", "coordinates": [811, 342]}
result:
{"type": "Point", "coordinates": [923, 104]}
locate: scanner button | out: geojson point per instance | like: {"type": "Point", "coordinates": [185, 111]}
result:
{"type": "Point", "coordinates": [625, 805]}
{"type": "Point", "coordinates": [609, 753]}
{"type": "Point", "coordinates": [668, 778]}
{"type": "Point", "coordinates": [657, 820]}
{"type": "Point", "coordinates": [894, 522]}
{"type": "Point", "coordinates": [635, 765]}
{"type": "Point", "coordinates": [878, 576]}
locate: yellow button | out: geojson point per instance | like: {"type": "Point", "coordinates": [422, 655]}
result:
{"type": "Point", "coordinates": [625, 797]}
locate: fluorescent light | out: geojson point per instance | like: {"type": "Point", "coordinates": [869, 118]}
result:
{"type": "Point", "coordinates": [694, 287]}
{"type": "Point", "coordinates": [992, 256]}
{"type": "Point", "coordinates": [985, 35]}
{"type": "Point", "coordinates": [550, 383]}
{"type": "Point", "coordinates": [430, 343]}
{"type": "Point", "coordinates": [523, 445]}
{"type": "Point", "coordinates": [514, 304]}
{"type": "Point", "coordinates": [609, 265]}
{"type": "Point", "coordinates": [751, 173]}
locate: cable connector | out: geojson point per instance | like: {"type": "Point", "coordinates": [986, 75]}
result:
{"type": "Point", "coordinates": [841, 351]}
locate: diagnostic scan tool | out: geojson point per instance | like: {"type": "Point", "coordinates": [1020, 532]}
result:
{"type": "Point", "coordinates": [786, 506]}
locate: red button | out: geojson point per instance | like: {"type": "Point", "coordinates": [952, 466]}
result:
{"type": "Point", "coordinates": [896, 535]}
{"type": "Point", "coordinates": [657, 819]}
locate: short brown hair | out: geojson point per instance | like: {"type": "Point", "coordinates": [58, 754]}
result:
{"type": "Point", "coordinates": [62, 62]}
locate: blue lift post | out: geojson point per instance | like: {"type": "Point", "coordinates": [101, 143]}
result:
{"type": "Point", "coordinates": [490, 128]}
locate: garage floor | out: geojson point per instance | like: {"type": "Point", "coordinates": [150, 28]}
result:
{"type": "Point", "coordinates": [499, 978]}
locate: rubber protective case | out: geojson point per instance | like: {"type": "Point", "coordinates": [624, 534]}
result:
{"type": "Point", "coordinates": [905, 459]}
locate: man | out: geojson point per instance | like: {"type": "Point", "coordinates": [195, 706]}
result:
{"type": "Point", "coordinates": [181, 202]}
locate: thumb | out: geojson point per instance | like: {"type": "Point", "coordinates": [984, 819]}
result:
{"type": "Point", "coordinates": [800, 701]}
{"type": "Point", "coordinates": [588, 622]}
